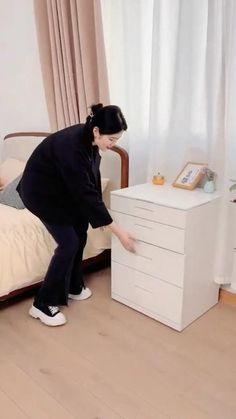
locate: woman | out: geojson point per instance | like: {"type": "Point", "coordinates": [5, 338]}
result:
{"type": "Point", "coordinates": [61, 185]}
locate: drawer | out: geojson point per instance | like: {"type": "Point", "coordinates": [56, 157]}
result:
{"type": "Point", "coordinates": [151, 232]}
{"type": "Point", "coordinates": [152, 260]}
{"type": "Point", "coordinates": [146, 292]}
{"type": "Point", "coordinates": [149, 211]}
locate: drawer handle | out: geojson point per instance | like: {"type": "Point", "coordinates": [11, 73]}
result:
{"type": "Point", "coordinates": [143, 289]}
{"type": "Point", "coordinates": [145, 209]}
{"type": "Point", "coordinates": [142, 256]}
{"type": "Point", "coordinates": [140, 225]}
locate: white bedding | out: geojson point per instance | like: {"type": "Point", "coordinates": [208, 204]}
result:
{"type": "Point", "coordinates": [26, 248]}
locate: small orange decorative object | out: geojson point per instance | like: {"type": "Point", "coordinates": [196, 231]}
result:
{"type": "Point", "coordinates": [158, 179]}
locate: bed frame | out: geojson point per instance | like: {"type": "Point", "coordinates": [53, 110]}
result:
{"type": "Point", "coordinates": [104, 258]}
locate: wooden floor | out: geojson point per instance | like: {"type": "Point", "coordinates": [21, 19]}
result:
{"type": "Point", "coordinates": [110, 362]}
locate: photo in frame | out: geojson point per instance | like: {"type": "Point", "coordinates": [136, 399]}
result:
{"type": "Point", "coordinates": [190, 176]}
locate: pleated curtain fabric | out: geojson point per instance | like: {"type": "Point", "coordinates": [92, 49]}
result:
{"type": "Point", "coordinates": [71, 48]}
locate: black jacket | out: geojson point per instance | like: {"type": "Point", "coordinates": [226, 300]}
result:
{"type": "Point", "coordinates": [61, 183]}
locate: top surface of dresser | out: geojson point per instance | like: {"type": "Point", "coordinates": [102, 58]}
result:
{"type": "Point", "coordinates": [167, 195]}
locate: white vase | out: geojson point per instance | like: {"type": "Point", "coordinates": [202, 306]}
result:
{"type": "Point", "coordinates": [209, 186]}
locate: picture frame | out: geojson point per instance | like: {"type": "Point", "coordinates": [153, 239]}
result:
{"type": "Point", "coordinates": [190, 176]}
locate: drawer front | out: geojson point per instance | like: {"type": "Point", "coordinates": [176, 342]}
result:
{"type": "Point", "coordinates": [151, 232]}
{"type": "Point", "coordinates": [147, 292]}
{"type": "Point", "coordinates": [148, 211]}
{"type": "Point", "coordinates": [152, 260]}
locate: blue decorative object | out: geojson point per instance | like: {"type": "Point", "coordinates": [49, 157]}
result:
{"type": "Point", "coordinates": [9, 196]}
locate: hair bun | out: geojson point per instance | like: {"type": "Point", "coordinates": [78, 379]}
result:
{"type": "Point", "coordinates": [96, 108]}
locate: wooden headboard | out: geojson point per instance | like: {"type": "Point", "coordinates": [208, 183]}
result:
{"type": "Point", "coordinates": [114, 165]}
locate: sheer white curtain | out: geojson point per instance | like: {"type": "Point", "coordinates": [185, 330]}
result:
{"type": "Point", "coordinates": [187, 104]}
{"type": "Point", "coordinates": [171, 68]}
{"type": "Point", "coordinates": [230, 64]}
{"type": "Point", "coordinates": [165, 70]}
{"type": "Point", "coordinates": [127, 27]}
{"type": "Point", "coordinates": [230, 141]}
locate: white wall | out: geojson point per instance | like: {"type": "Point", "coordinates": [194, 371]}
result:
{"type": "Point", "coordinates": [22, 100]}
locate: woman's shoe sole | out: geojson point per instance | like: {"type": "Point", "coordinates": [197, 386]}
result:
{"type": "Point", "coordinates": [86, 293]}
{"type": "Point", "coordinates": [57, 320]}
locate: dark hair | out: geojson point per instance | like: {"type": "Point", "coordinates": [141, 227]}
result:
{"type": "Point", "coordinates": [109, 120]}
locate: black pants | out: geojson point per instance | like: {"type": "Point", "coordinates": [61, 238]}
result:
{"type": "Point", "coordinates": [64, 274]}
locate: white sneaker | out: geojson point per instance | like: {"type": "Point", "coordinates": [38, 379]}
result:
{"type": "Point", "coordinates": [85, 293]}
{"type": "Point", "coordinates": [49, 315]}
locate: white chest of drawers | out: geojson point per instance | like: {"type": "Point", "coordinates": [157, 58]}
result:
{"type": "Point", "coordinates": [171, 276]}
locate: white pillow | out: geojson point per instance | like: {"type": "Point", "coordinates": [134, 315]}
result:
{"type": "Point", "coordinates": [10, 169]}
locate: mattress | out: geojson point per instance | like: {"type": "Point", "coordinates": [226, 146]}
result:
{"type": "Point", "coordinates": [26, 248]}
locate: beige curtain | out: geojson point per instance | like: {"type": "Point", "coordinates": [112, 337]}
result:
{"type": "Point", "coordinates": [72, 55]}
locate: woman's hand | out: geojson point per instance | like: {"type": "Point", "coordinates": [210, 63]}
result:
{"type": "Point", "coordinates": [126, 239]}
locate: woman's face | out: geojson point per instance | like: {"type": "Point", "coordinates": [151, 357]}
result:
{"type": "Point", "coordinates": [105, 141]}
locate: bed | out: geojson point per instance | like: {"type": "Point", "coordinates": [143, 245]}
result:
{"type": "Point", "coordinates": [26, 247]}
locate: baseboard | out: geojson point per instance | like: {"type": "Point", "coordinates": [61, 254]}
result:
{"type": "Point", "coordinates": [227, 297]}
